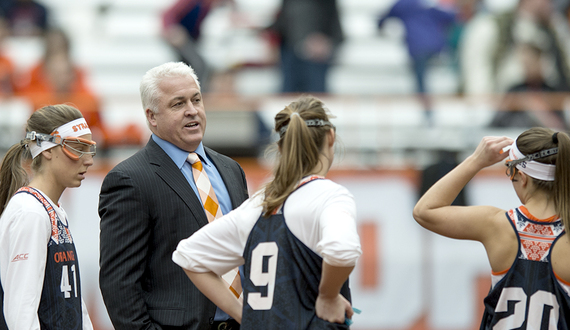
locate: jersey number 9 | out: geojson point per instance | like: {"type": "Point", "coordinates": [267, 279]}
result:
{"type": "Point", "coordinates": [264, 254]}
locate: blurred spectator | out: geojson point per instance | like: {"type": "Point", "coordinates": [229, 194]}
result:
{"type": "Point", "coordinates": [57, 79]}
{"type": "Point", "coordinates": [532, 102]}
{"type": "Point", "coordinates": [25, 17]}
{"type": "Point", "coordinates": [427, 28]}
{"type": "Point", "coordinates": [181, 29]}
{"type": "Point", "coordinates": [309, 33]}
{"type": "Point", "coordinates": [466, 10]}
{"type": "Point", "coordinates": [7, 73]}
{"type": "Point", "coordinates": [489, 57]}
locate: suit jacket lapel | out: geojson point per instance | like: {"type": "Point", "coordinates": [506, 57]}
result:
{"type": "Point", "coordinates": [165, 168]}
{"type": "Point", "coordinates": [229, 178]}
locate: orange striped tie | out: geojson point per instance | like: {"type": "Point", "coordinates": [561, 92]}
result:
{"type": "Point", "coordinates": [205, 189]}
{"type": "Point", "coordinates": [213, 211]}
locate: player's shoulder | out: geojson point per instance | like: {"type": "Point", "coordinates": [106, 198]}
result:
{"type": "Point", "coordinates": [328, 187]}
{"type": "Point", "coordinates": [24, 203]}
{"type": "Point", "coordinates": [327, 183]}
{"type": "Point", "coordinates": [29, 199]}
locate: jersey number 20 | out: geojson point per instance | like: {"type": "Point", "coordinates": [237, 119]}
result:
{"type": "Point", "coordinates": [264, 254]}
{"type": "Point", "coordinates": [535, 309]}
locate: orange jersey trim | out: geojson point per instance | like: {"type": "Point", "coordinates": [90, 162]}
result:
{"type": "Point", "coordinates": [525, 211]}
{"type": "Point", "coordinates": [560, 279]}
{"type": "Point", "coordinates": [501, 272]}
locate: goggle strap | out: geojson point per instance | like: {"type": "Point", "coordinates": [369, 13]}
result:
{"type": "Point", "coordinates": [541, 154]}
{"type": "Point", "coordinates": [39, 137]}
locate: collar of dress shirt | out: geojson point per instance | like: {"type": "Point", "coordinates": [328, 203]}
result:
{"type": "Point", "coordinates": [178, 155]}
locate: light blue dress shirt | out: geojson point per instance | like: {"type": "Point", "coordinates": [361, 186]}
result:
{"type": "Point", "coordinates": [179, 157]}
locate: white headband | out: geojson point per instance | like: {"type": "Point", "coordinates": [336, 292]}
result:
{"type": "Point", "coordinates": [537, 170]}
{"type": "Point", "coordinates": [74, 128]}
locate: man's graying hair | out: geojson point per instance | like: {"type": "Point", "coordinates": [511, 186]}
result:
{"type": "Point", "coordinates": [150, 93]}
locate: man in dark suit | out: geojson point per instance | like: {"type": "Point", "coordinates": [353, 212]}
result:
{"type": "Point", "coordinates": [149, 202]}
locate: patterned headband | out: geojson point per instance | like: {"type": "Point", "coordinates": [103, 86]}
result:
{"type": "Point", "coordinates": [309, 122]}
{"type": "Point", "coordinates": [526, 164]}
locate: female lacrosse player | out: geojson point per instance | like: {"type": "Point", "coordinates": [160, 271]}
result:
{"type": "Point", "coordinates": [527, 246]}
{"type": "Point", "coordinates": [39, 270]}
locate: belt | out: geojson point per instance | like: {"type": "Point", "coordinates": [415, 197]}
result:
{"type": "Point", "coordinates": [225, 325]}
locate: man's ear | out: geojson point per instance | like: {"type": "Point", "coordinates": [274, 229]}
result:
{"type": "Point", "coordinates": [150, 117]}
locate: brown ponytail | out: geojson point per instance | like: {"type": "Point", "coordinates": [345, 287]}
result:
{"type": "Point", "coordinates": [12, 174]}
{"type": "Point", "coordinates": [299, 147]}
{"type": "Point", "coordinates": [537, 139]}
{"type": "Point", "coordinates": [562, 180]}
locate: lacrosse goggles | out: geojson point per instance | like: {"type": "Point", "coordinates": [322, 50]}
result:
{"type": "Point", "coordinates": [66, 136]}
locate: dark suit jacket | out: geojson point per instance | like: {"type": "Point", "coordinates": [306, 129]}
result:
{"type": "Point", "coordinates": [146, 207]}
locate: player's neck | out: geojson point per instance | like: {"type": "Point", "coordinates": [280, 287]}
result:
{"type": "Point", "coordinates": [51, 190]}
{"type": "Point", "coordinates": [540, 206]}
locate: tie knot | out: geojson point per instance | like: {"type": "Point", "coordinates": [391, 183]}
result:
{"type": "Point", "coordinates": [193, 157]}
{"type": "Point", "coordinates": [194, 160]}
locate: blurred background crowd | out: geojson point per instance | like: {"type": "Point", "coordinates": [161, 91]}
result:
{"type": "Point", "coordinates": [362, 55]}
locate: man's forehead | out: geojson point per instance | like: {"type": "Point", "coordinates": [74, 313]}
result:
{"type": "Point", "coordinates": [178, 84]}
{"type": "Point", "coordinates": [183, 96]}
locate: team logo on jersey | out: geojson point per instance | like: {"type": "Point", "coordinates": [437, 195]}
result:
{"type": "Point", "coordinates": [64, 256]}
{"type": "Point", "coordinates": [20, 257]}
